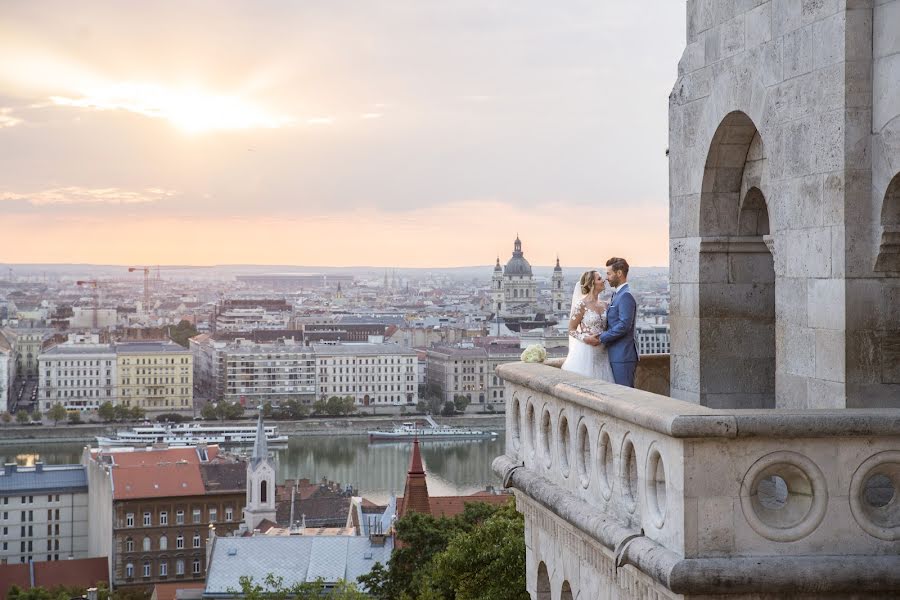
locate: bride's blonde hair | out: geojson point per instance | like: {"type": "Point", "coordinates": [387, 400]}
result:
{"type": "Point", "coordinates": [587, 282]}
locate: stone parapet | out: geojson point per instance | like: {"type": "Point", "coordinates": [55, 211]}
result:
{"type": "Point", "coordinates": [695, 500]}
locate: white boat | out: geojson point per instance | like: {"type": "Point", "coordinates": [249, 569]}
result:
{"type": "Point", "coordinates": [189, 434]}
{"type": "Point", "coordinates": [409, 430]}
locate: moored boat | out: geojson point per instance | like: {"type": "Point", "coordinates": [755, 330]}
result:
{"type": "Point", "coordinates": [188, 434]}
{"type": "Point", "coordinates": [434, 431]}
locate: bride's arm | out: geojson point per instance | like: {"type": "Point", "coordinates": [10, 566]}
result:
{"type": "Point", "coordinates": [575, 321]}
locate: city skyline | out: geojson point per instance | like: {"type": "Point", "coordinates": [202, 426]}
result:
{"type": "Point", "coordinates": [409, 135]}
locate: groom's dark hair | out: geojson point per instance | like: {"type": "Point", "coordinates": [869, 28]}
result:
{"type": "Point", "coordinates": [618, 264]}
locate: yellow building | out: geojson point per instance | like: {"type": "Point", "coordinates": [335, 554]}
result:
{"type": "Point", "coordinates": [157, 376]}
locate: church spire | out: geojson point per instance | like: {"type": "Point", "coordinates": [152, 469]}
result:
{"type": "Point", "coordinates": [261, 445]}
{"type": "Point", "coordinates": [415, 494]}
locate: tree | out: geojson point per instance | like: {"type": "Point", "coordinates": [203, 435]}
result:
{"type": "Point", "coordinates": [319, 406]}
{"type": "Point", "coordinates": [209, 412]}
{"type": "Point", "coordinates": [267, 410]}
{"type": "Point", "coordinates": [422, 406]}
{"type": "Point", "coordinates": [137, 413]}
{"type": "Point", "coordinates": [273, 588]}
{"type": "Point", "coordinates": [334, 406]}
{"type": "Point", "coordinates": [434, 404]}
{"type": "Point", "coordinates": [171, 417]}
{"type": "Point", "coordinates": [422, 538]}
{"type": "Point", "coordinates": [230, 410]}
{"type": "Point", "coordinates": [36, 416]}
{"type": "Point", "coordinates": [485, 563]}
{"type": "Point", "coordinates": [106, 411]}
{"type": "Point", "coordinates": [6, 417]}
{"type": "Point", "coordinates": [56, 413]}
{"type": "Point", "coordinates": [448, 409]}
{"type": "Point", "coordinates": [348, 405]}
{"type": "Point", "coordinates": [181, 333]}
{"type": "Point", "coordinates": [75, 417]}
{"type": "Point", "coordinates": [22, 417]}
{"type": "Point", "coordinates": [460, 402]}
{"type": "Point", "coordinates": [121, 412]}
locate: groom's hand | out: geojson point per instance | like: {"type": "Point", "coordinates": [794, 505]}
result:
{"type": "Point", "coordinates": [592, 340]}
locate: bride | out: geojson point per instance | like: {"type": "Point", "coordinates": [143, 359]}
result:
{"type": "Point", "coordinates": [588, 317]}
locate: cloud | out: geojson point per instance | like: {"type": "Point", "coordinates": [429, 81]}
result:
{"type": "Point", "coordinates": [75, 195]}
{"type": "Point", "coordinates": [370, 115]}
{"type": "Point", "coordinates": [7, 119]}
{"type": "Point", "coordinates": [320, 121]}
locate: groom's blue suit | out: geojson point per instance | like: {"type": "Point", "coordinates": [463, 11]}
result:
{"type": "Point", "coordinates": [619, 336]}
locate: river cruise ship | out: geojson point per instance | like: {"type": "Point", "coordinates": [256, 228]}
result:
{"type": "Point", "coordinates": [409, 430]}
{"type": "Point", "coordinates": [189, 434]}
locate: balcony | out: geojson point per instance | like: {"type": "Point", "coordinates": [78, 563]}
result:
{"type": "Point", "coordinates": [628, 490]}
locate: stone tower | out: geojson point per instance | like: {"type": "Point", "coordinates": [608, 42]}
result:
{"type": "Point", "coordinates": [497, 288]}
{"type": "Point", "coordinates": [415, 493]}
{"type": "Point", "coordinates": [557, 292]}
{"type": "Point", "coordinates": [260, 481]}
{"type": "Point", "coordinates": [784, 167]}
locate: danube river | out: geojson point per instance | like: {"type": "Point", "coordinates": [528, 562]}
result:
{"type": "Point", "coordinates": [376, 470]}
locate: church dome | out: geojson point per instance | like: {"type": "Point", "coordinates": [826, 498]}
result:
{"type": "Point", "coordinates": [517, 265]}
{"type": "Point", "coordinates": [557, 268]}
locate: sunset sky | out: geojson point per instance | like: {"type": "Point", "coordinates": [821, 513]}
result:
{"type": "Point", "coordinates": [402, 133]}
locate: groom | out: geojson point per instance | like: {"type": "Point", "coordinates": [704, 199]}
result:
{"type": "Point", "coordinates": [620, 315]}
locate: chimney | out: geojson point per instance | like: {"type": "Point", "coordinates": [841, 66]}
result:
{"type": "Point", "coordinates": [9, 468]}
{"type": "Point", "coordinates": [39, 467]}
{"type": "Point", "coordinates": [92, 593]}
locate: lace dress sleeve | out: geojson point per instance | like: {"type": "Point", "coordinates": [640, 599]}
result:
{"type": "Point", "coordinates": [603, 322]}
{"type": "Point", "coordinates": [575, 321]}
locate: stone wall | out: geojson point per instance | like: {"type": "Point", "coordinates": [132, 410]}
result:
{"type": "Point", "coordinates": [784, 228]}
{"type": "Point", "coordinates": [628, 494]}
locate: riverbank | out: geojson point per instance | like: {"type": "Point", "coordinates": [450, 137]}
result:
{"type": "Point", "coordinates": [333, 426]}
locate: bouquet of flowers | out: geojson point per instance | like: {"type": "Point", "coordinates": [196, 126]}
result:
{"type": "Point", "coordinates": [534, 353]}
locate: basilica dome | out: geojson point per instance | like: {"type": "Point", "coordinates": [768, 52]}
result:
{"type": "Point", "coordinates": [517, 265]}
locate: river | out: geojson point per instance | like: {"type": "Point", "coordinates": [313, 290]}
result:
{"type": "Point", "coordinates": [376, 470]}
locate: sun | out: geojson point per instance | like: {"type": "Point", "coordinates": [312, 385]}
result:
{"type": "Point", "coordinates": [192, 109]}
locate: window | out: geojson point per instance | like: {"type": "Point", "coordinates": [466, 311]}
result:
{"type": "Point", "coordinates": [179, 517]}
{"type": "Point", "coordinates": [129, 545]}
{"type": "Point", "coordinates": [163, 542]}
{"type": "Point", "coordinates": [146, 544]}
{"type": "Point", "coordinates": [129, 570]}
{"type": "Point", "coordinates": [148, 519]}
{"type": "Point", "coordinates": [229, 514]}
{"type": "Point", "coordinates": [163, 569]}
{"type": "Point", "coordinates": [196, 540]}
{"type": "Point", "coordinates": [195, 515]}
{"type": "Point", "coordinates": [129, 520]}
{"type": "Point", "coordinates": [179, 542]}
{"type": "Point", "coordinates": [213, 514]}
{"type": "Point", "coordinates": [196, 567]}
{"type": "Point", "coordinates": [146, 568]}
{"type": "Point", "coordinates": [163, 518]}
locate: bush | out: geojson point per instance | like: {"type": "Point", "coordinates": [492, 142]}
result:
{"type": "Point", "coordinates": [422, 406]}
{"type": "Point", "coordinates": [461, 402]}
{"type": "Point", "coordinates": [6, 417]}
{"type": "Point", "coordinates": [74, 417]}
{"type": "Point", "coordinates": [22, 417]}
{"type": "Point", "coordinates": [448, 409]}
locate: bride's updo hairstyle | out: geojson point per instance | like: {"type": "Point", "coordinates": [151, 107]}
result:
{"type": "Point", "coordinates": [587, 282]}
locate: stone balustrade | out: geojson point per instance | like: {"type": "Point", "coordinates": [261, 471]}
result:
{"type": "Point", "coordinates": [627, 493]}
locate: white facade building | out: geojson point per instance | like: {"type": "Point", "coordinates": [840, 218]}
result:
{"type": "Point", "coordinates": [43, 513]}
{"type": "Point", "coordinates": [80, 376]}
{"type": "Point", "coordinates": [652, 338]}
{"type": "Point", "coordinates": [7, 371]}
{"type": "Point", "coordinates": [373, 374]}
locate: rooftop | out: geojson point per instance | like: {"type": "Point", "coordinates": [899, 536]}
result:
{"type": "Point", "coordinates": [42, 478]}
{"type": "Point", "coordinates": [361, 349]}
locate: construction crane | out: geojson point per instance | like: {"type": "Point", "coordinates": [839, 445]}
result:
{"type": "Point", "coordinates": [96, 296]}
{"type": "Point", "coordinates": [146, 271]}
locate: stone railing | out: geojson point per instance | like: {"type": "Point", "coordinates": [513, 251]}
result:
{"type": "Point", "coordinates": [652, 374]}
{"type": "Point", "coordinates": [628, 490]}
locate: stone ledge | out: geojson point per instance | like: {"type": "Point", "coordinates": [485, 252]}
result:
{"type": "Point", "coordinates": [680, 419]}
{"type": "Point", "coordinates": [738, 575]}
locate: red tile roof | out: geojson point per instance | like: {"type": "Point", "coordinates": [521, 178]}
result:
{"type": "Point", "coordinates": [158, 473]}
{"type": "Point", "coordinates": [81, 572]}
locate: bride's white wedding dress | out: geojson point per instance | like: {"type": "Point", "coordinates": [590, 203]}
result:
{"type": "Point", "coordinates": [584, 359]}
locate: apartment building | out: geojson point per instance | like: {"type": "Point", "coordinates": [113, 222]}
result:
{"type": "Point", "coordinates": [373, 374]}
{"type": "Point", "coordinates": [80, 376]}
{"type": "Point", "coordinates": [157, 376]}
{"type": "Point", "coordinates": [259, 373]}
{"type": "Point", "coordinates": [154, 508]}
{"type": "Point", "coordinates": [43, 513]}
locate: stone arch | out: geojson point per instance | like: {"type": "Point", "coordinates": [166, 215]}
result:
{"type": "Point", "coordinates": [566, 592]}
{"type": "Point", "coordinates": [543, 583]}
{"type": "Point", "coordinates": [889, 251]}
{"type": "Point", "coordinates": [736, 349]}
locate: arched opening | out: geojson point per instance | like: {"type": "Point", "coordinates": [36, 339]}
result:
{"type": "Point", "coordinates": [566, 592]}
{"type": "Point", "coordinates": [543, 583]}
{"type": "Point", "coordinates": [889, 252]}
{"type": "Point", "coordinates": [737, 362]}
{"type": "Point", "coordinates": [263, 491]}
